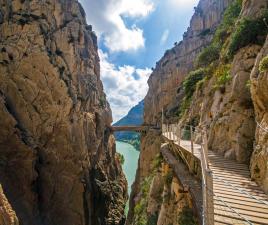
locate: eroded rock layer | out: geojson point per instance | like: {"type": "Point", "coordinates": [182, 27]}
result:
{"type": "Point", "coordinates": [57, 157]}
{"type": "Point", "coordinates": [259, 90]}
{"type": "Point", "coordinates": [215, 80]}
{"type": "Point", "coordinates": [7, 214]}
{"type": "Point", "coordinates": [179, 61]}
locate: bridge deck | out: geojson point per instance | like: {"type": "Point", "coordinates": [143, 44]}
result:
{"type": "Point", "coordinates": [237, 199]}
{"type": "Point", "coordinates": [130, 128]}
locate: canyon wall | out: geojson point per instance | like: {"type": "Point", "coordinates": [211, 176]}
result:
{"type": "Point", "coordinates": [57, 157]}
{"type": "Point", "coordinates": [216, 79]}
{"type": "Point", "coordinates": [164, 93]}
{"type": "Point", "coordinates": [259, 91]}
{"type": "Point", "coordinates": [178, 61]}
{"type": "Point", "coordinates": [7, 214]}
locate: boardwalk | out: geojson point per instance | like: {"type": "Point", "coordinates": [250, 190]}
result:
{"type": "Point", "coordinates": [139, 129]}
{"type": "Point", "coordinates": [236, 199]}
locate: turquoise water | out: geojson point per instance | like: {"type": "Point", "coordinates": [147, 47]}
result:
{"type": "Point", "coordinates": [130, 165]}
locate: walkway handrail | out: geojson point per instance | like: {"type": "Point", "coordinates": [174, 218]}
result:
{"type": "Point", "coordinates": [174, 132]}
{"type": "Point", "coordinates": [263, 128]}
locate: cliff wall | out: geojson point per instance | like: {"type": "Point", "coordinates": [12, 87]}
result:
{"type": "Point", "coordinates": [259, 91]}
{"type": "Point", "coordinates": [57, 157]}
{"type": "Point", "coordinates": [214, 79]}
{"type": "Point", "coordinates": [7, 214]}
{"type": "Point", "coordinates": [177, 62]}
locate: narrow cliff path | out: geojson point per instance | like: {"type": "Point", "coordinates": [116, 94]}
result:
{"type": "Point", "coordinates": [236, 198]}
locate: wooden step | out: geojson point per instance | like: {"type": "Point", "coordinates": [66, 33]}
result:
{"type": "Point", "coordinates": [230, 180]}
{"type": "Point", "coordinates": [219, 217]}
{"type": "Point", "coordinates": [238, 194]}
{"type": "Point", "coordinates": [238, 201]}
{"type": "Point", "coordinates": [249, 213]}
{"type": "Point", "coordinates": [255, 193]}
{"type": "Point", "coordinates": [229, 213]}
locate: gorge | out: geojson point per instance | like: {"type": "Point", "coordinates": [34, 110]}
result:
{"type": "Point", "coordinates": [59, 164]}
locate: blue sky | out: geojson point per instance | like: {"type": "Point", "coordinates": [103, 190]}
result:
{"type": "Point", "coordinates": [133, 35]}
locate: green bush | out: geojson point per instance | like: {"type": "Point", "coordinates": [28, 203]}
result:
{"type": "Point", "coordinates": [121, 158]}
{"type": "Point", "coordinates": [232, 13]}
{"type": "Point", "coordinates": [204, 32]}
{"type": "Point", "coordinates": [223, 75]}
{"type": "Point", "coordinates": [157, 161]}
{"type": "Point", "coordinates": [263, 67]}
{"type": "Point", "coordinates": [191, 80]}
{"type": "Point", "coordinates": [248, 32]}
{"type": "Point", "coordinates": [153, 219]}
{"type": "Point", "coordinates": [227, 25]}
{"type": "Point", "coordinates": [186, 217]}
{"type": "Point", "coordinates": [168, 177]}
{"type": "Point", "coordinates": [102, 101]}
{"type": "Point", "coordinates": [184, 106]}
{"type": "Point", "coordinates": [208, 55]}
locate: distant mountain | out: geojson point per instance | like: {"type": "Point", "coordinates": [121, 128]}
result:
{"type": "Point", "coordinates": [134, 117]}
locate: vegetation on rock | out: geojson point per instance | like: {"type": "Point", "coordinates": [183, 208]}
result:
{"type": "Point", "coordinates": [263, 67]}
{"type": "Point", "coordinates": [247, 32]}
{"type": "Point", "coordinates": [186, 217]}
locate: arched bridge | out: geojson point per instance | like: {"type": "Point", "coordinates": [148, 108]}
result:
{"type": "Point", "coordinates": [140, 129]}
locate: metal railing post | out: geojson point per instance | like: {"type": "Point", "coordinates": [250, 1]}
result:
{"type": "Point", "coordinates": [207, 183]}
{"type": "Point", "coordinates": [192, 142]}
{"type": "Point", "coordinates": [209, 198]}
{"type": "Point", "coordinates": [179, 135]}
{"type": "Point", "coordinates": [205, 142]}
{"type": "Point", "coordinates": [168, 135]}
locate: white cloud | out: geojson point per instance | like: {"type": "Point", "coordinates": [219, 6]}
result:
{"type": "Point", "coordinates": [125, 86]}
{"type": "Point", "coordinates": [106, 16]}
{"type": "Point", "coordinates": [183, 3]}
{"type": "Point", "coordinates": [164, 37]}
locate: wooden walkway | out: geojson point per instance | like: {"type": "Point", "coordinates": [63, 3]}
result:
{"type": "Point", "coordinates": [237, 200]}
{"type": "Point", "coordinates": [139, 129]}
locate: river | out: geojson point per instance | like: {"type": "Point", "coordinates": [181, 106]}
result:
{"type": "Point", "coordinates": [130, 165]}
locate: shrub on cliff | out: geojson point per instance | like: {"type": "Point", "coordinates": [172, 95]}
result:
{"type": "Point", "coordinates": [223, 76]}
{"type": "Point", "coordinates": [208, 55]}
{"type": "Point", "coordinates": [191, 80]}
{"type": "Point", "coordinates": [186, 217]}
{"type": "Point", "coordinates": [248, 32]}
{"type": "Point", "coordinates": [212, 52]}
{"type": "Point", "coordinates": [121, 158]}
{"type": "Point", "coordinates": [263, 67]}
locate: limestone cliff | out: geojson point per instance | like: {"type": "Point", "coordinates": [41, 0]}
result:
{"type": "Point", "coordinates": [259, 91]}
{"type": "Point", "coordinates": [177, 62]}
{"type": "Point", "coordinates": [165, 93]}
{"type": "Point", "coordinates": [226, 101]}
{"type": "Point", "coordinates": [7, 214]}
{"type": "Point", "coordinates": [216, 78]}
{"type": "Point", "coordinates": [57, 157]}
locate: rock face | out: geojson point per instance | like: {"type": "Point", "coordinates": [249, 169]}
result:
{"type": "Point", "coordinates": [178, 61]}
{"type": "Point", "coordinates": [228, 111]}
{"type": "Point", "coordinates": [259, 91]}
{"type": "Point", "coordinates": [7, 214]}
{"type": "Point", "coordinates": [57, 157]}
{"type": "Point", "coordinates": [227, 101]}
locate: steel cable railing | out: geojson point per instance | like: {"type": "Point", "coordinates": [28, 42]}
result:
{"type": "Point", "coordinates": [175, 132]}
{"type": "Point", "coordinates": [260, 126]}
{"type": "Point", "coordinates": [232, 213]}
{"type": "Point", "coordinates": [241, 191]}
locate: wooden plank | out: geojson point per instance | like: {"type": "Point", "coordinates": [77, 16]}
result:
{"type": "Point", "coordinates": [256, 193]}
{"type": "Point", "coordinates": [248, 209]}
{"type": "Point", "coordinates": [237, 177]}
{"type": "Point", "coordinates": [229, 213]}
